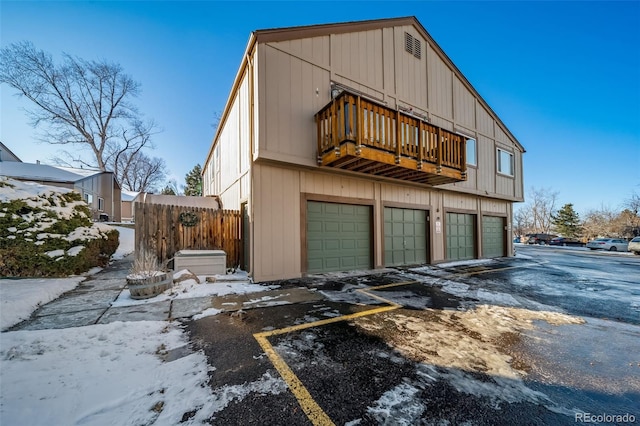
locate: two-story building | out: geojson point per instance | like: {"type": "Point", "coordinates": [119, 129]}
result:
{"type": "Point", "coordinates": [361, 145]}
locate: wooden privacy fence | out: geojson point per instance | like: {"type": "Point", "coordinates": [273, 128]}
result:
{"type": "Point", "coordinates": [167, 229]}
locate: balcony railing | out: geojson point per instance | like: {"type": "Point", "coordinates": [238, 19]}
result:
{"type": "Point", "coordinates": [359, 135]}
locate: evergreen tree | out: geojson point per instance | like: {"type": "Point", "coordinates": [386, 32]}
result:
{"type": "Point", "coordinates": [566, 221]}
{"type": "Point", "coordinates": [194, 181]}
{"type": "Point", "coordinates": [168, 190]}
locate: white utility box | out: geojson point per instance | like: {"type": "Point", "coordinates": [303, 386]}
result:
{"type": "Point", "coordinates": [201, 262]}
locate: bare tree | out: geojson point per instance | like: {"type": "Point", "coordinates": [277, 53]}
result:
{"type": "Point", "coordinates": [600, 223]}
{"type": "Point", "coordinates": [140, 173]}
{"type": "Point", "coordinates": [632, 204]}
{"type": "Point", "coordinates": [537, 214]}
{"type": "Point", "coordinates": [522, 221]}
{"type": "Point", "coordinates": [83, 104]}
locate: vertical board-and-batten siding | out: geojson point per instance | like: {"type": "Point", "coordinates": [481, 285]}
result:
{"type": "Point", "coordinates": [356, 56]}
{"type": "Point", "coordinates": [279, 195]}
{"type": "Point", "coordinates": [288, 103]}
{"type": "Point", "coordinates": [233, 153]}
{"type": "Point", "coordinates": [440, 84]}
{"type": "Point", "coordinates": [296, 84]}
{"type": "Point", "coordinates": [410, 72]}
{"type": "Point", "coordinates": [276, 223]}
{"type": "Point", "coordinates": [464, 105]}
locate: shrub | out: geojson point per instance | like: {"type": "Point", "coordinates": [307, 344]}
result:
{"type": "Point", "coordinates": [47, 232]}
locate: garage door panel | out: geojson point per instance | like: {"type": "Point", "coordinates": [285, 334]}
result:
{"type": "Point", "coordinates": [493, 236]}
{"type": "Point", "coordinates": [460, 236]}
{"type": "Point", "coordinates": [331, 210]}
{"type": "Point", "coordinates": [348, 244]}
{"type": "Point", "coordinates": [405, 236]}
{"type": "Point", "coordinates": [345, 239]}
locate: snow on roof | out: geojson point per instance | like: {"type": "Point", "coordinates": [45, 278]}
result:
{"type": "Point", "coordinates": [38, 172]}
{"type": "Point", "coordinates": [128, 195]}
{"type": "Point", "coordinates": [81, 172]}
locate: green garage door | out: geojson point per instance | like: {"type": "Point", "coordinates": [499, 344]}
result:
{"type": "Point", "coordinates": [338, 237]}
{"type": "Point", "coordinates": [405, 236]}
{"type": "Point", "coordinates": [492, 236]}
{"type": "Point", "coordinates": [460, 236]}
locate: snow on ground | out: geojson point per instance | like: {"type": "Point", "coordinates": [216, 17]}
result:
{"type": "Point", "coordinates": [236, 283]}
{"type": "Point", "coordinates": [101, 374]}
{"type": "Point", "coordinates": [127, 242]}
{"type": "Point", "coordinates": [118, 373]}
{"type": "Point", "coordinates": [20, 297]}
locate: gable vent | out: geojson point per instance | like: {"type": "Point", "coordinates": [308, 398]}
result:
{"type": "Point", "coordinates": [408, 43]}
{"type": "Point", "coordinates": [412, 45]}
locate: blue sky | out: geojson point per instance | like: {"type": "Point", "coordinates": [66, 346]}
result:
{"type": "Point", "coordinates": [563, 76]}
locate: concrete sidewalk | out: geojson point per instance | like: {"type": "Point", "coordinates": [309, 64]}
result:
{"type": "Point", "coordinates": [90, 302]}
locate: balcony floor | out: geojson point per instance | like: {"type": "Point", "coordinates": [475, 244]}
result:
{"type": "Point", "coordinates": [377, 162]}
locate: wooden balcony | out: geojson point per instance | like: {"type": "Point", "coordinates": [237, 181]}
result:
{"type": "Point", "coordinates": [359, 135]}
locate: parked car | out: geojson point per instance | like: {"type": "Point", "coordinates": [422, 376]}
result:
{"type": "Point", "coordinates": [565, 241]}
{"type": "Point", "coordinates": [540, 238]}
{"type": "Point", "coordinates": [634, 245]}
{"type": "Point", "coordinates": [611, 244]}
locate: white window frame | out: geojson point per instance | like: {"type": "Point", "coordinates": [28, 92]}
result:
{"type": "Point", "coordinates": [499, 162]}
{"type": "Point", "coordinates": [475, 151]}
{"type": "Point", "coordinates": [475, 148]}
{"type": "Point", "coordinates": [88, 198]}
{"type": "Point", "coordinates": [100, 204]}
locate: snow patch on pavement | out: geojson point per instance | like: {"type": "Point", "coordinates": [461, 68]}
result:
{"type": "Point", "coordinates": [267, 384]}
{"type": "Point", "coordinates": [237, 283]}
{"type": "Point", "coordinates": [464, 348]}
{"type": "Point", "coordinates": [399, 406]}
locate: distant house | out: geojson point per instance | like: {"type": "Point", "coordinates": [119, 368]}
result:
{"type": "Point", "coordinates": [128, 199]}
{"type": "Point", "coordinates": [6, 154]}
{"type": "Point", "coordinates": [361, 145]}
{"type": "Point", "coordinates": [100, 190]}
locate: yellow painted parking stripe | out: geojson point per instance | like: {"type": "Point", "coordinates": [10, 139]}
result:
{"type": "Point", "coordinates": [327, 321]}
{"type": "Point", "coordinates": [380, 287]}
{"type": "Point", "coordinates": [310, 407]}
{"type": "Point", "coordinates": [314, 413]}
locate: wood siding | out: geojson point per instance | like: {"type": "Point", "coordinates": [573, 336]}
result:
{"type": "Point", "coordinates": [280, 196]}
{"type": "Point", "coordinates": [158, 228]}
{"type": "Point", "coordinates": [265, 152]}
{"type": "Point", "coordinates": [276, 223]}
{"type": "Point", "coordinates": [295, 80]}
{"type": "Point", "coordinates": [227, 172]}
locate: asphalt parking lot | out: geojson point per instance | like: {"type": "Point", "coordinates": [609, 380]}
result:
{"type": "Point", "coordinates": [543, 338]}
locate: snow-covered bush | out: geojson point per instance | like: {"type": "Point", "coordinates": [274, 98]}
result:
{"type": "Point", "coordinates": [46, 231]}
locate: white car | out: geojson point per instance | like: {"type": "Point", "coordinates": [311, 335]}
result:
{"type": "Point", "coordinates": [611, 244]}
{"type": "Point", "coordinates": [634, 245]}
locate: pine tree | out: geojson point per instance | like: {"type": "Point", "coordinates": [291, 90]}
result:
{"type": "Point", "coordinates": [567, 221]}
{"type": "Point", "coordinates": [193, 180]}
{"type": "Point", "coordinates": [168, 190]}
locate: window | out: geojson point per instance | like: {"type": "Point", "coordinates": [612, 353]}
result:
{"type": "Point", "coordinates": [88, 198]}
{"type": "Point", "coordinates": [505, 162]}
{"type": "Point", "coordinates": [100, 204]}
{"type": "Point", "coordinates": [471, 152]}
